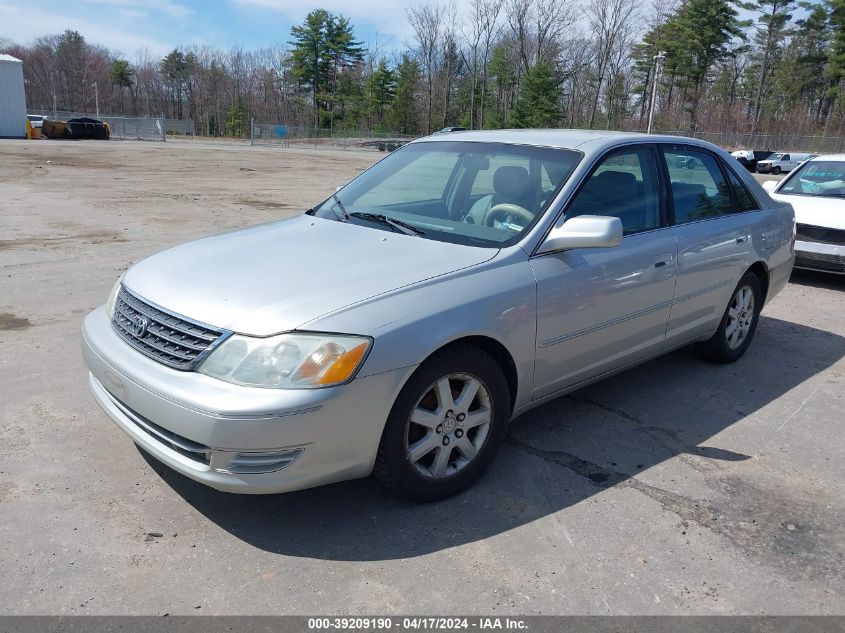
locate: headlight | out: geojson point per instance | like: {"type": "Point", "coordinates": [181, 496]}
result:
{"type": "Point", "coordinates": [287, 361]}
{"type": "Point", "coordinates": [113, 296]}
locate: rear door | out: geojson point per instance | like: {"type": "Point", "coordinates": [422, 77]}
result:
{"type": "Point", "coordinates": [599, 309]}
{"type": "Point", "coordinates": [713, 242]}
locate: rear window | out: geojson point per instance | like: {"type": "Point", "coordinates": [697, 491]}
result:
{"type": "Point", "coordinates": [744, 200]}
{"type": "Point", "coordinates": [699, 190]}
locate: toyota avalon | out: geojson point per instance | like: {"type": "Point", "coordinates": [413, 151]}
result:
{"type": "Point", "coordinates": [399, 326]}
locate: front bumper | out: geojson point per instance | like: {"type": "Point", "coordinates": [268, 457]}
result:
{"type": "Point", "coordinates": [213, 431]}
{"type": "Point", "coordinates": [820, 256]}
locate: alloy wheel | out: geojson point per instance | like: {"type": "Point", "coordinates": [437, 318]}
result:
{"type": "Point", "coordinates": [740, 317]}
{"type": "Point", "coordinates": [448, 426]}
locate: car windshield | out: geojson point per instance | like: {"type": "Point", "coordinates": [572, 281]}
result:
{"type": "Point", "coordinates": [478, 194]}
{"type": "Point", "coordinates": [821, 178]}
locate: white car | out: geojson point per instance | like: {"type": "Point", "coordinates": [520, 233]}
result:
{"type": "Point", "coordinates": [816, 190]}
{"type": "Point", "coordinates": [36, 120]}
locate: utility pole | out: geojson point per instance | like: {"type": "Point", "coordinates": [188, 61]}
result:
{"type": "Point", "coordinates": [96, 98]}
{"type": "Point", "coordinates": [658, 59]}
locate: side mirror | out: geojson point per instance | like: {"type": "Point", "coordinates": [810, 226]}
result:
{"type": "Point", "coordinates": [770, 185]}
{"type": "Point", "coordinates": [584, 231]}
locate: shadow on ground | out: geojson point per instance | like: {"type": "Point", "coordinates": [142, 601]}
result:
{"type": "Point", "coordinates": [816, 279]}
{"type": "Point", "coordinates": [555, 456]}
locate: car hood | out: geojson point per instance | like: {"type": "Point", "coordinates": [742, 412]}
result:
{"type": "Point", "coordinates": [817, 211]}
{"type": "Point", "coordinates": [276, 277]}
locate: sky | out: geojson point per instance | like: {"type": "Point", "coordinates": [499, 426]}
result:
{"type": "Point", "coordinates": [159, 26]}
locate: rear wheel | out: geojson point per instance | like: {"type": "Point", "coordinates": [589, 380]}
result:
{"type": "Point", "coordinates": [446, 425]}
{"type": "Point", "coordinates": [739, 323]}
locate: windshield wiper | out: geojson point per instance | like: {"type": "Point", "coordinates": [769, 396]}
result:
{"type": "Point", "coordinates": [397, 225]}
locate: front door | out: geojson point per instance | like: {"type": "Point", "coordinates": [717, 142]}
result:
{"type": "Point", "coordinates": [599, 309]}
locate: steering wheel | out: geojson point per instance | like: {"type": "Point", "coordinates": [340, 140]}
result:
{"type": "Point", "coordinates": [499, 211]}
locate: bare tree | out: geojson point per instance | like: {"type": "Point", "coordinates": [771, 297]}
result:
{"type": "Point", "coordinates": [611, 23]}
{"type": "Point", "coordinates": [519, 20]}
{"type": "Point", "coordinates": [451, 59]}
{"type": "Point", "coordinates": [472, 36]}
{"type": "Point", "coordinates": [552, 18]}
{"type": "Point", "coordinates": [484, 27]}
{"type": "Point", "coordinates": [489, 14]}
{"type": "Point", "coordinates": [427, 21]}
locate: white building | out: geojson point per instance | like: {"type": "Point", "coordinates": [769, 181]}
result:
{"type": "Point", "coordinates": [12, 98]}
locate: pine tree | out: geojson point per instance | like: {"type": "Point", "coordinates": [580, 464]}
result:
{"type": "Point", "coordinates": [771, 32]}
{"type": "Point", "coordinates": [381, 90]}
{"type": "Point", "coordinates": [122, 76]}
{"type": "Point", "coordinates": [694, 40]}
{"type": "Point", "coordinates": [801, 71]}
{"type": "Point", "coordinates": [404, 113]}
{"type": "Point", "coordinates": [323, 47]}
{"type": "Point", "coordinates": [538, 96]}
{"type": "Point", "coordinates": [175, 69]}
{"type": "Point", "coordinates": [835, 72]}
{"type": "Point", "coordinates": [70, 64]}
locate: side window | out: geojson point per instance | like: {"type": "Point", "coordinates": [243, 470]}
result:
{"type": "Point", "coordinates": [786, 158]}
{"type": "Point", "coordinates": [623, 185]}
{"type": "Point", "coordinates": [744, 200]}
{"type": "Point", "coordinates": [699, 190]}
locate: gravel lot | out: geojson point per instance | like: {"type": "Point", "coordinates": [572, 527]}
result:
{"type": "Point", "coordinates": [680, 487]}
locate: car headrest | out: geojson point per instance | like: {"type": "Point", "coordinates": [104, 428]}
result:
{"type": "Point", "coordinates": [618, 184]}
{"type": "Point", "coordinates": [510, 180]}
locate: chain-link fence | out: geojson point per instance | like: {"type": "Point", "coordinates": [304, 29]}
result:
{"type": "Point", "coordinates": [123, 127]}
{"type": "Point", "coordinates": [269, 134]}
{"type": "Point", "coordinates": [180, 126]}
{"type": "Point", "coordinates": [785, 142]}
{"type": "Point", "coordinates": [279, 135]}
{"type": "Point", "coordinates": [134, 128]}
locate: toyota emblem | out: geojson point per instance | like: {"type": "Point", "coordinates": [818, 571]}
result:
{"type": "Point", "coordinates": [139, 326]}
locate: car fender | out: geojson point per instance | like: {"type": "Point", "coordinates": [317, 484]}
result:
{"type": "Point", "coordinates": [496, 299]}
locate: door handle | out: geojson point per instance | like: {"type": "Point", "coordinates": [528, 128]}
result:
{"type": "Point", "coordinates": [663, 260]}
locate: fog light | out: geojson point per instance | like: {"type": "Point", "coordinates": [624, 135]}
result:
{"type": "Point", "coordinates": [252, 463]}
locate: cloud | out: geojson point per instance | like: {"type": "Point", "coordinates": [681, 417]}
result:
{"type": "Point", "coordinates": [386, 17]}
{"type": "Point", "coordinates": [18, 20]}
{"type": "Point", "coordinates": [171, 9]}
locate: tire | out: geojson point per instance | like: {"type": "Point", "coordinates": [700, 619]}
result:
{"type": "Point", "coordinates": [775, 170]}
{"type": "Point", "coordinates": [453, 446]}
{"type": "Point", "coordinates": [738, 325]}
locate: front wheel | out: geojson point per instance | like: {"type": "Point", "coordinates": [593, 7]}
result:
{"type": "Point", "coordinates": [446, 425]}
{"type": "Point", "coordinates": [775, 170]}
{"type": "Point", "coordinates": [738, 323]}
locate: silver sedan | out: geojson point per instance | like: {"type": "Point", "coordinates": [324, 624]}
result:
{"type": "Point", "coordinates": [399, 326]}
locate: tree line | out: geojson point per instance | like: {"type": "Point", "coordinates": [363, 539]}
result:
{"type": "Point", "coordinates": [754, 67]}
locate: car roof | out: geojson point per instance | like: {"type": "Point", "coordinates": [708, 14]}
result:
{"type": "Point", "coordinates": [595, 140]}
{"type": "Point", "coordinates": [829, 157]}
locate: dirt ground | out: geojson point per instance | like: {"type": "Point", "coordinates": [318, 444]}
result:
{"type": "Point", "coordinates": [680, 487]}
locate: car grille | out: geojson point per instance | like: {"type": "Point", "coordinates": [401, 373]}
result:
{"type": "Point", "coordinates": [820, 261]}
{"type": "Point", "coordinates": [163, 336]}
{"type": "Point", "coordinates": [809, 233]}
{"type": "Point", "coordinates": [194, 451]}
